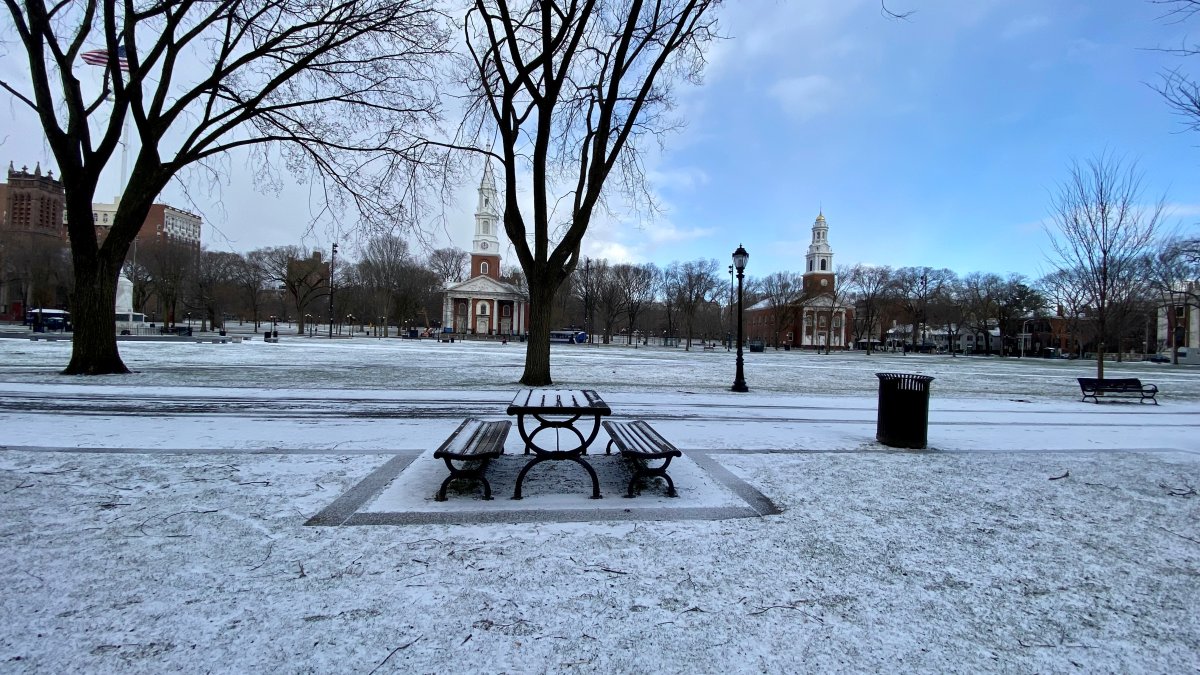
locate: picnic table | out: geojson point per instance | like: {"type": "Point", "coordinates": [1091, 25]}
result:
{"type": "Point", "coordinates": [539, 410]}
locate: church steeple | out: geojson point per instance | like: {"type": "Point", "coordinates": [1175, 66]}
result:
{"type": "Point", "coordinates": [818, 271]}
{"type": "Point", "coordinates": [485, 249]}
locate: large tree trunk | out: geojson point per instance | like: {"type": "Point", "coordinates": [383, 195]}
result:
{"type": "Point", "coordinates": [537, 350]}
{"type": "Point", "coordinates": [94, 345]}
{"type": "Point", "coordinates": [1100, 360]}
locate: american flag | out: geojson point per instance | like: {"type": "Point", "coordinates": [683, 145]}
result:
{"type": "Point", "coordinates": [101, 57]}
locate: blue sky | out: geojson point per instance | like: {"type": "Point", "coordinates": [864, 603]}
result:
{"type": "Point", "coordinates": [936, 141]}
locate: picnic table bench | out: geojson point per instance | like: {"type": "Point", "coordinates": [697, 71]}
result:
{"type": "Point", "coordinates": [1129, 386]}
{"type": "Point", "coordinates": [641, 444]}
{"type": "Point", "coordinates": [468, 451]}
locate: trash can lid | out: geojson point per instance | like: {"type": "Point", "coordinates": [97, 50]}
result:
{"type": "Point", "coordinates": [904, 376]}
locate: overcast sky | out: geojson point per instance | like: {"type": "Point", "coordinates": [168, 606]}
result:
{"type": "Point", "coordinates": [936, 140]}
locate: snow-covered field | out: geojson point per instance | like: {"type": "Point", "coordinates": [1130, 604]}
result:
{"type": "Point", "coordinates": [156, 522]}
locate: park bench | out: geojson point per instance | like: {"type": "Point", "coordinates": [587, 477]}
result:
{"type": "Point", "coordinates": [640, 444]}
{"type": "Point", "coordinates": [1130, 386]}
{"type": "Point", "coordinates": [468, 451]}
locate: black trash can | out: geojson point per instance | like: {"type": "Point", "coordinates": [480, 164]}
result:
{"type": "Point", "coordinates": [266, 335]}
{"type": "Point", "coordinates": [903, 419]}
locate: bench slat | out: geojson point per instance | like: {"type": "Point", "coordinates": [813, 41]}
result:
{"type": "Point", "coordinates": [473, 438]}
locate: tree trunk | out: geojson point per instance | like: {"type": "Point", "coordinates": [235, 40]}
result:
{"type": "Point", "coordinates": [537, 349]}
{"type": "Point", "coordinates": [1100, 360]}
{"type": "Point", "coordinates": [94, 345]}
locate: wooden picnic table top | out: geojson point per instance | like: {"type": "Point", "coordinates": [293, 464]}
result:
{"type": "Point", "coordinates": [566, 401]}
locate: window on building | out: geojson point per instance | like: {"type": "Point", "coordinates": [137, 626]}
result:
{"type": "Point", "coordinates": [810, 266]}
{"type": "Point", "coordinates": [824, 264]}
{"type": "Point", "coordinates": [483, 268]}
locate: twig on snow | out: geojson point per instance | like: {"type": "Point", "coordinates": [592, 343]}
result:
{"type": "Point", "coordinates": [1182, 536]}
{"type": "Point", "coordinates": [1066, 474]}
{"type": "Point", "coordinates": [22, 485]}
{"type": "Point", "coordinates": [270, 550]}
{"type": "Point", "coordinates": [256, 482]}
{"type": "Point", "coordinates": [763, 610]}
{"type": "Point", "coordinates": [1188, 490]}
{"type": "Point", "coordinates": [391, 654]}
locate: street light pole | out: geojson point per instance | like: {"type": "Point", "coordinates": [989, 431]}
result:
{"type": "Point", "coordinates": [332, 261]}
{"type": "Point", "coordinates": [729, 328]}
{"type": "Point", "coordinates": [740, 257]}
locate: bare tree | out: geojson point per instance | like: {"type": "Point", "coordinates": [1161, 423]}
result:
{"type": "Point", "coordinates": [638, 284]}
{"type": "Point", "coordinates": [571, 87]}
{"type": "Point", "coordinates": [1174, 272]}
{"type": "Point", "coordinates": [870, 284]}
{"type": "Point", "coordinates": [170, 265]}
{"type": "Point", "coordinates": [340, 88]}
{"type": "Point", "coordinates": [980, 295]}
{"type": "Point", "coordinates": [586, 290]}
{"type": "Point", "coordinates": [915, 287]}
{"type": "Point", "coordinates": [1176, 86]}
{"type": "Point", "coordinates": [609, 298]}
{"type": "Point", "coordinates": [450, 264]}
{"type": "Point", "coordinates": [303, 275]}
{"type": "Point", "coordinates": [1065, 290]}
{"type": "Point", "coordinates": [251, 276]}
{"type": "Point", "coordinates": [783, 291]}
{"type": "Point", "coordinates": [693, 285]}
{"type": "Point", "coordinates": [211, 285]}
{"type": "Point", "coordinates": [1101, 230]}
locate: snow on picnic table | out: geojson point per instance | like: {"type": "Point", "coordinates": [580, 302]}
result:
{"type": "Point", "coordinates": [1037, 534]}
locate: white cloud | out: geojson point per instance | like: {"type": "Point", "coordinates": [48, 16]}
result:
{"type": "Point", "coordinates": [806, 96]}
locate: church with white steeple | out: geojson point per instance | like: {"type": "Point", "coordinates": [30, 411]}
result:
{"type": "Point", "coordinates": [820, 316]}
{"type": "Point", "coordinates": [483, 304]}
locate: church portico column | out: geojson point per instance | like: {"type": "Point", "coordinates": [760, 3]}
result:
{"type": "Point", "coordinates": [447, 311]}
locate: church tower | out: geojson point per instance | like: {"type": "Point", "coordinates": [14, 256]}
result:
{"type": "Point", "coordinates": [818, 272]}
{"type": "Point", "coordinates": [485, 248]}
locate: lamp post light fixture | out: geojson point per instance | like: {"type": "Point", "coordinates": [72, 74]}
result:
{"type": "Point", "coordinates": [740, 257]}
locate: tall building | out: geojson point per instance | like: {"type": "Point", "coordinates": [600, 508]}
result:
{"type": "Point", "coordinates": [34, 266]}
{"type": "Point", "coordinates": [33, 205]}
{"type": "Point", "coordinates": [820, 316]}
{"type": "Point", "coordinates": [163, 223]}
{"type": "Point", "coordinates": [483, 304]}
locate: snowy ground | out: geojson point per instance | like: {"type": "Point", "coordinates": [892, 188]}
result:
{"type": "Point", "coordinates": [156, 522]}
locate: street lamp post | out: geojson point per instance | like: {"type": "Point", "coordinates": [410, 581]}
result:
{"type": "Point", "coordinates": [730, 327]}
{"type": "Point", "coordinates": [740, 257]}
{"type": "Point", "coordinates": [332, 260]}
{"type": "Point", "coordinates": [1024, 335]}
{"type": "Point", "coordinates": [308, 322]}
